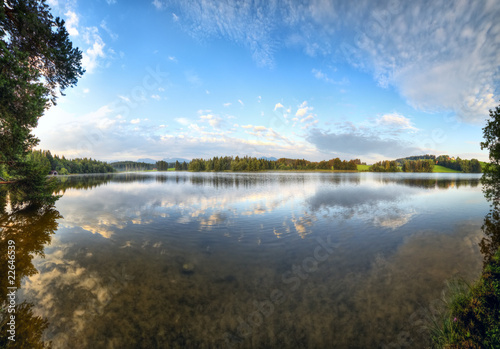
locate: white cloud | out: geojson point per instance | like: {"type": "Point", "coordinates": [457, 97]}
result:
{"type": "Point", "coordinates": [182, 121]}
{"type": "Point", "coordinates": [226, 104]}
{"type": "Point", "coordinates": [90, 58]}
{"type": "Point", "coordinates": [72, 23]}
{"type": "Point", "coordinates": [172, 59]}
{"type": "Point", "coordinates": [86, 90]}
{"type": "Point", "coordinates": [278, 105]}
{"type": "Point", "coordinates": [175, 17]}
{"type": "Point", "coordinates": [156, 97]}
{"type": "Point", "coordinates": [303, 109]}
{"type": "Point", "coordinates": [396, 120]}
{"type": "Point", "coordinates": [212, 120]}
{"type": "Point", "coordinates": [135, 121]}
{"type": "Point", "coordinates": [241, 102]}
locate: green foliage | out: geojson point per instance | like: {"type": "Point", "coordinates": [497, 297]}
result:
{"type": "Point", "coordinates": [33, 187]}
{"type": "Point", "coordinates": [37, 60]}
{"type": "Point", "coordinates": [130, 166]}
{"type": "Point", "coordinates": [472, 313]}
{"type": "Point", "coordinates": [417, 157]}
{"type": "Point", "coordinates": [461, 165]}
{"type": "Point", "coordinates": [491, 185]}
{"type": "Point", "coordinates": [385, 166]}
{"type": "Point", "coordinates": [162, 166]}
{"type": "Point", "coordinates": [246, 163]}
{"type": "Point", "coordinates": [417, 165]}
{"type": "Point", "coordinates": [491, 135]}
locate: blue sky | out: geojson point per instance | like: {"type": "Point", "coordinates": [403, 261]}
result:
{"type": "Point", "coordinates": [303, 79]}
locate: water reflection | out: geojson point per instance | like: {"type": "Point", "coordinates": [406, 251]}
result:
{"type": "Point", "coordinates": [235, 180]}
{"type": "Point", "coordinates": [216, 260]}
{"type": "Point", "coordinates": [27, 229]}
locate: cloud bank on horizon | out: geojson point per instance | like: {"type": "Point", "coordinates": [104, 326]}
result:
{"type": "Point", "coordinates": [322, 79]}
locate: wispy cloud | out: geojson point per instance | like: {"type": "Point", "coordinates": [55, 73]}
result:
{"type": "Point", "coordinates": [158, 4]}
{"type": "Point", "coordinates": [318, 74]}
{"type": "Point", "coordinates": [111, 34]}
{"type": "Point", "coordinates": [439, 56]}
{"type": "Point", "coordinates": [193, 78]}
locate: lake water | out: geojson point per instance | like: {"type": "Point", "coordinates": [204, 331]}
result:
{"type": "Point", "coordinates": [282, 260]}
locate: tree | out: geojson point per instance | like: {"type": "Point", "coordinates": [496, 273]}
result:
{"type": "Point", "coordinates": [491, 185]}
{"type": "Point", "coordinates": [37, 62]}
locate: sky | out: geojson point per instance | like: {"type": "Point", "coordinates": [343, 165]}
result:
{"type": "Point", "coordinates": [300, 79]}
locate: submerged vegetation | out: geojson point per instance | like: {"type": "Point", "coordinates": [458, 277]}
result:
{"type": "Point", "coordinates": [471, 318]}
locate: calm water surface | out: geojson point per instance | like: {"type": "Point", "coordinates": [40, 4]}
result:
{"type": "Point", "coordinates": [283, 260]}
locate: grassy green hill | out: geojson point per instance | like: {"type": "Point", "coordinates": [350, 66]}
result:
{"type": "Point", "coordinates": [363, 167]}
{"type": "Point", "coordinates": [438, 168]}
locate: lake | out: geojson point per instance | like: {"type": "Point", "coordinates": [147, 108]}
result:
{"type": "Point", "coordinates": [247, 260]}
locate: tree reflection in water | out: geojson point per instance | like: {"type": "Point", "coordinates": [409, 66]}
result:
{"type": "Point", "coordinates": [491, 226]}
{"type": "Point", "coordinates": [30, 226]}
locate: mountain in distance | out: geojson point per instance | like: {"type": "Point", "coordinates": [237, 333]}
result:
{"type": "Point", "coordinates": [181, 160]}
{"type": "Point", "coordinates": [170, 160]}
{"type": "Point", "coordinates": [147, 160]}
{"type": "Point", "coordinates": [272, 158]}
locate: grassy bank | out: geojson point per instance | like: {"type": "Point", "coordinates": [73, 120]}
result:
{"type": "Point", "coordinates": [472, 312]}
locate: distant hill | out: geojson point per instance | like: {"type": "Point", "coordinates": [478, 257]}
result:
{"type": "Point", "coordinates": [147, 160]}
{"type": "Point", "coordinates": [181, 160]}
{"type": "Point", "coordinates": [272, 158]}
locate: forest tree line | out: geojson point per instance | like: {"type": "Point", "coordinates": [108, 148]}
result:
{"type": "Point", "coordinates": [246, 163]}
{"type": "Point", "coordinates": [426, 163]}
{"type": "Point", "coordinates": [462, 165]}
{"type": "Point", "coordinates": [63, 166]}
